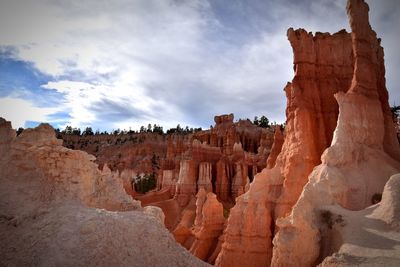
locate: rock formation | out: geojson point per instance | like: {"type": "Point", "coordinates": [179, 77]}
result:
{"type": "Point", "coordinates": [276, 147]}
{"type": "Point", "coordinates": [208, 225]}
{"type": "Point", "coordinates": [222, 160]}
{"type": "Point", "coordinates": [212, 155]}
{"type": "Point", "coordinates": [357, 164]}
{"type": "Point", "coordinates": [308, 204]}
{"type": "Point", "coordinates": [58, 208]}
{"type": "Point", "coordinates": [361, 157]}
{"type": "Point", "coordinates": [369, 237]}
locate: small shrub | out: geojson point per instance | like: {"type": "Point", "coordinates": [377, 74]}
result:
{"type": "Point", "coordinates": [329, 219]}
{"type": "Point", "coordinates": [145, 183]}
{"type": "Point", "coordinates": [226, 213]}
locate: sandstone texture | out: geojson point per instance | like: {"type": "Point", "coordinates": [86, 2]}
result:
{"type": "Point", "coordinates": [211, 154]}
{"type": "Point", "coordinates": [370, 237]}
{"type": "Point", "coordinates": [359, 161]}
{"type": "Point", "coordinates": [311, 119]}
{"type": "Point", "coordinates": [303, 197]}
{"type": "Point", "coordinates": [276, 147]}
{"type": "Point", "coordinates": [208, 225]}
{"type": "Point", "coordinates": [58, 208]}
{"type": "Point", "coordinates": [337, 100]}
{"type": "Point", "coordinates": [221, 161]}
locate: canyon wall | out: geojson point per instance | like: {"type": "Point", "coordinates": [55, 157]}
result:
{"type": "Point", "coordinates": [211, 156]}
{"type": "Point", "coordinates": [326, 67]}
{"type": "Point", "coordinates": [357, 164]}
{"type": "Point", "coordinates": [221, 159]}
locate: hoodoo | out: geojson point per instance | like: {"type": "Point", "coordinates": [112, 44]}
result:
{"type": "Point", "coordinates": [323, 189]}
{"type": "Point", "coordinates": [337, 108]}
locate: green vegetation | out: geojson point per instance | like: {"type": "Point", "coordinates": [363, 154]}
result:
{"type": "Point", "coordinates": [69, 130]}
{"type": "Point", "coordinates": [329, 219]}
{"type": "Point", "coordinates": [88, 131]}
{"type": "Point", "coordinates": [395, 111]}
{"type": "Point", "coordinates": [145, 183]}
{"type": "Point", "coordinates": [226, 213]}
{"type": "Point", "coordinates": [20, 130]}
{"type": "Point", "coordinates": [180, 130]}
{"type": "Point", "coordinates": [262, 122]}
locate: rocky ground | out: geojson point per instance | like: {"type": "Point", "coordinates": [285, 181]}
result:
{"type": "Point", "coordinates": [316, 200]}
{"type": "Point", "coordinates": [57, 208]}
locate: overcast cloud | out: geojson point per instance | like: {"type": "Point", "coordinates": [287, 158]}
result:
{"type": "Point", "coordinates": [121, 64]}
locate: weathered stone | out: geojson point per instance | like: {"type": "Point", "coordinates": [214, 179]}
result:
{"type": "Point", "coordinates": [58, 208]}
{"type": "Point", "coordinates": [356, 165]}
{"type": "Point", "coordinates": [312, 112]}
{"type": "Point", "coordinates": [208, 225]}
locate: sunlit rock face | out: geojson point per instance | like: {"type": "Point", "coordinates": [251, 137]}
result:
{"type": "Point", "coordinates": [58, 208]}
{"type": "Point", "coordinates": [311, 119]}
{"type": "Point", "coordinates": [338, 84]}
{"type": "Point", "coordinates": [276, 147]}
{"type": "Point", "coordinates": [221, 148]}
{"type": "Point", "coordinates": [357, 164]}
{"type": "Point", "coordinates": [208, 225]}
{"type": "Point", "coordinates": [223, 158]}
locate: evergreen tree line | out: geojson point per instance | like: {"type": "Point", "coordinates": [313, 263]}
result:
{"type": "Point", "coordinates": [262, 122]}
{"type": "Point", "coordinates": [155, 128]}
{"type": "Point", "coordinates": [149, 129]}
{"type": "Point", "coordinates": [395, 112]}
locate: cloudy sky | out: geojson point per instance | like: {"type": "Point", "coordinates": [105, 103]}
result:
{"type": "Point", "coordinates": [126, 63]}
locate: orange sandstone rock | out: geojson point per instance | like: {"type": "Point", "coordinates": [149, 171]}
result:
{"type": "Point", "coordinates": [58, 208]}
{"type": "Point", "coordinates": [356, 165]}
{"type": "Point", "coordinates": [208, 225]}
{"type": "Point", "coordinates": [311, 118]}
{"type": "Point", "coordinates": [361, 141]}
{"type": "Point", "coordinates": [276, 147]}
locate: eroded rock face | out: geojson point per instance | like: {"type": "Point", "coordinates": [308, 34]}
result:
{"type": "Point", "coordinates": [357, 164]}
{"type": "Point", "coordinates": [70, 174]}
{"type": "Point", "coordinates": [358, 150]}
{"type": "Point", "coordinates": [276, 147]}
{"type": "Point", "coordinates": [344, 232]}
{"type": "Point", "coordinates": [223, 158]}
{"type": "Point", "coordinates": [213, 154]}
{"type": "Point", "coordinates": [227, 118]}
{"type": "Point", "coordinates": [186, 186]}
{"type": "Point", "coordinates": [389, 208]}
{"type": "Point", "coordinates": [205, 176]}
{"type": "Point", "coordinates": [246, 242]}
{"type": "Point", "coordinates": [311, 118]}
{"type": "Point", "coordinates": [57, 208]}
{"type": "Point", "coordinates": [208, 225]}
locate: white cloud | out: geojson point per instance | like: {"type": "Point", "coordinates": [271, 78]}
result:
{"type": "Point", "coordinates": [18, 111]}
{"type": "Point", "coordinates": [119, 105]}
{"type": "Point", "coordinates": [129, 62]}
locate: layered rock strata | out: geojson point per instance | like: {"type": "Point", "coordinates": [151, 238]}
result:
{"type": "Point", "coordinates": [357, 164]}
{"type": "Point", "coordinates": [212, 155]}
{"type": "Point", "coordinates": [276, 147]}
{"type": "Point", "coordinates": [362, 148]}
{"type": "Point", "coordinates": [208, 225]}
{"type": "Point", "coordinates": [58, 208]}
